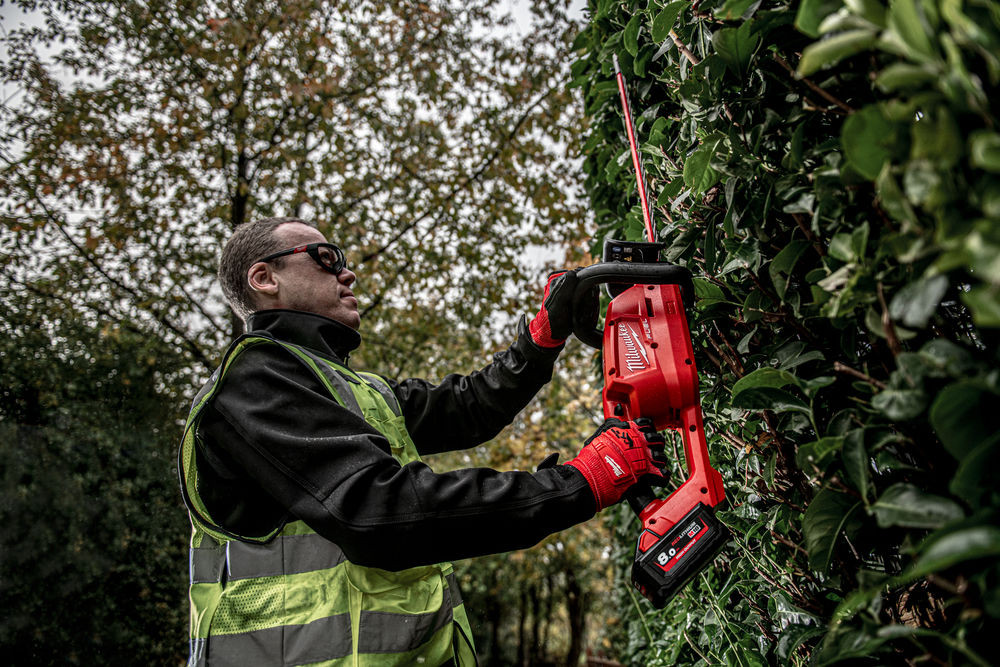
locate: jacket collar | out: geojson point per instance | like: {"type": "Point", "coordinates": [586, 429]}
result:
{"type": "Point", "coordinates": [316, 332]}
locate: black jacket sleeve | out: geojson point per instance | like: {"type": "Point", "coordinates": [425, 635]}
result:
{"type": "Point", "coordinates": [277, 429]}
{"type": "Point", "coordinates": [463, 411]}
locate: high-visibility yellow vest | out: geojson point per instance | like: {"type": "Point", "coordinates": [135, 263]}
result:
{"type": "Point", "coordinates": [291, 597]}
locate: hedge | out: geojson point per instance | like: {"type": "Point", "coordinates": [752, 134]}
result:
{"type": "Point", "coordinates": [830, 172]}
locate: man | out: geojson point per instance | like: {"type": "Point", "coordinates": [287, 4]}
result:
{"type": "Point", "coordinates": [318, 534]}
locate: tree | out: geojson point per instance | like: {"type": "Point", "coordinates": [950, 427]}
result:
{"type": "Point", "coordinates": [90, 523]}
{"type": "Point", "coordinates": [828, 172]}
{"type": "Point", "coordinates": [413, 143]}
{"type": "Point", "coordinates": [431, 147]}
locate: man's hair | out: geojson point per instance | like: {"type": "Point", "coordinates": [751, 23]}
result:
{"type": "Point", "coordinates": [250, 241]}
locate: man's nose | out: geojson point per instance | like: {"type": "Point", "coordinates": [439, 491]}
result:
{"type": "Point", "coordinates": [346, 276]}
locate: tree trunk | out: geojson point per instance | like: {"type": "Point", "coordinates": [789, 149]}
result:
{"type": "Point", "coordinates": [550, 594]}
{"type": "Point", "coordinates": [521, 638]}
{"type": "Point", "coordinates": [238, 215]}
{"type": "Point", "coordinates": [494, 616]}
{"type": "Point", "coordinates": [536, 613]}
{"type": "Point", "coordinates": [577, 613]}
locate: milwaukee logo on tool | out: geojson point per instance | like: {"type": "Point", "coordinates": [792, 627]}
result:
{"type": "Point", "coordinates": [636, 358]}
{"type": "Point", "coordinates": [615, 468]}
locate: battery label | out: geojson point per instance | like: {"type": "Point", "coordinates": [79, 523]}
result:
{"type": "Point", "coordinates": [682, 544]}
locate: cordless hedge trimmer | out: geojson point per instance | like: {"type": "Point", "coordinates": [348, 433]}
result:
{"type": "Point", "coordinates": [650, 373]}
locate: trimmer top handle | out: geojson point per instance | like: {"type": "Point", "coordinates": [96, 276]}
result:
{"type": "Point", "coordinates": [624, 273]}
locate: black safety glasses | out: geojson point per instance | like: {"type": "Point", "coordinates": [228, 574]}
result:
{"type": "Point", "coordinates": [327, 255]}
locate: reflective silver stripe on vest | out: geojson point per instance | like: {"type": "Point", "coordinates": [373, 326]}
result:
{"type": "Point", "coordinates": [290, 554]}
{"type": "Point", "coordinates": [383, 388]}
{"type": "Point", "coordinates": [206, 565]}
{"type": "Point", "coordinates": [197, 652]}
{"type": "Point", "coordinates": [339, 381]}
{"type": "Point", "coordinates": [387, 632]}
{"type": "Point", "coordinates": [323, 639]}
{"type": "Point", "coordinates": [454, 591]}
{"type": "Point", "coordinates": [326, 638]}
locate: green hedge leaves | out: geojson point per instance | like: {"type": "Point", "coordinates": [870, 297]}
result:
{"type": "Point", "coordinates": [830, 172]}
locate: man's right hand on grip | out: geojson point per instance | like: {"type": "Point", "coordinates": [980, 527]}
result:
{"type": "Point", "coordinates": [617, 456]}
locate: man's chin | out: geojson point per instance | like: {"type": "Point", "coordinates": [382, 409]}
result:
{"type": "Point", "coordinates": [348, 317]}
{"type": "Point", "coordinates": [351, 319]}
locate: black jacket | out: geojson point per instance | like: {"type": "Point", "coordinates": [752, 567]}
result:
{"type": "Point", "coordinates": [275, 446]}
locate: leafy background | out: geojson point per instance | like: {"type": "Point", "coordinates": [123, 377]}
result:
{"type": "Point", "coordinates": [830, 173]}
{"type": "Point", "coordinates": [431, 140]}
{"type": "Point", "coordinates": [828, 170]}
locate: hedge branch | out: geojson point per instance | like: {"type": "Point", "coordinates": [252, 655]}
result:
{"type": "Point", "coordinates": [890, 330]}
{"type": "Point", "coordinates": [692, 58]}
{"type": "Point", "coordinates": [734, 355]}
{"type": "Point", "coordinates": [809, 234]}
{"type": "Point", "coordinates": [812, 86]}
{"type": "Point", "coordinates": [844, 368]}
{"type": "Point", "coordinates": [694, 647]}
{"type": "Point", "coordinates": [733, 440]}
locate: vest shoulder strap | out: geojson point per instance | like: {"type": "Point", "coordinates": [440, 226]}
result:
{"type": "Point", "coordinates": [335, 377]}
{"type": "Point", "coordinates": [382, 386]}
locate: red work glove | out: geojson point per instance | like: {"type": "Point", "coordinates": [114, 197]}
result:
{"type": "Point", "coordinates": [554, 322]}
{"type": "Point", "coordinates": [617, 455]}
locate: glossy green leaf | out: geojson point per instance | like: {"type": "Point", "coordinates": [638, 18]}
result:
{"type": "Point", "coordinates": [909, 32]}
{"type": "Point", "coordinates": [868, 140]}
{"type": "Point", "coordinates": [904, 76]}
{"type": "Point", "coordinates": [810, 386]}
{"type": "Point", "coordinates": [794, 354]}
{"type": "Point", "coordinates": [736, 46]}
{"type": "Point", "coordinates": [915, 303]}
{"type": "Point", "coordinates": [769, 470]}
{"type": "Point", "coordinates": [734, 9]}
{"type": "Point", "coordinates": [665, 20]}
{"type": "Point", "coordinates": [630, 39]}
{"type": "Point", "coordinates": [937, 136]}
{"type": "Point", "coordinates": [978, 474]}
{"type": "Point", "coordinates": [823, 522]}
{"type": "Point", "coordinates": [873, 11]}
{"type": "Point", "coordinates": [891, 198]}
{"type": "Point", "coordinates": [784, 263]}
{"type": "Point", "coordinates": [769, 398]}
{"type": "Point", "coordinates": [698, 172]}
{"type": "Point", "coordinates": [792, 637]}
{"type": "Point", "coordinates": [984, 302]}
{"type": "Point", "coordinates": [950, 358]}
{"type": "Point", "coordinates": [900, 404]}
{"type": "Point", "coordinates": [965, 415]}
{"type": "Point", "coordinates": [850, 246]}
{"type": "Point", "coordinates": [908, 505]}
{"type": "Point", "coordinates": [764, 377]}
{"type": "Point", "coordinates": [832, 50]}
{"type": "Point", "coordinates": [817, 455]}
{"type": "Point", "coordinates": [812, 12]}
{"type": "Point", "coordinates": [742, 255]}
{"type": "Point", "coordinates": [957, 547]}
{"type": "Point", "coordinates": [985, 150]}
{"type": "Point", "coordinates": [708, 293]}
{"type": "Point", "coordinates": [856, 461]}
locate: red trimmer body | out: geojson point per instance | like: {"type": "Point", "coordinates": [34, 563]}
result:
{"type": "Point", "coordinates": [650, 372]}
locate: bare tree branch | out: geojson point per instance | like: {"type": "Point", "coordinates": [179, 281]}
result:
{"type": "Point", "coordinates": [192, 345]}
{"type": "Point", "coordinates": [465, 183]}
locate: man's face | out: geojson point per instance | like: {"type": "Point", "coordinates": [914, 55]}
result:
{"type": "Point", "coordinates": [302, 284]}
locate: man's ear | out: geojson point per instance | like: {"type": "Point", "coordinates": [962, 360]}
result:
{"type": "Point", "coordinates": [262, 280]}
